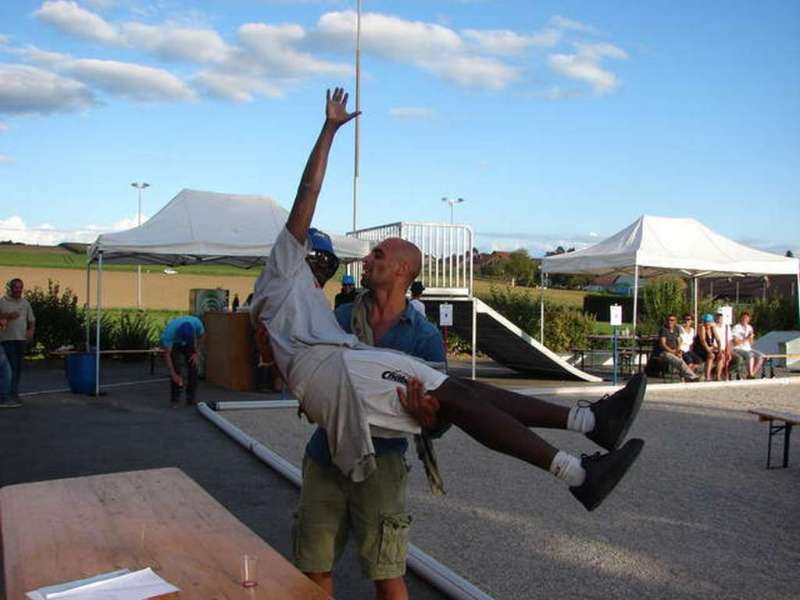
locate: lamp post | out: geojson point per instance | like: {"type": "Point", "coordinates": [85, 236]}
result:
{"type": "Point", "coordinates": [452, 202]}
{"type": "Point", "coordinates": [139, 185]}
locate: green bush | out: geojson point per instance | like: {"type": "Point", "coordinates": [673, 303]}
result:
{"type": "Point", "coordinates": [59, 321]}
{"type": "Point", "coordinates": [107, 327]}
{"type": "Point", "coordinates": [134, 331]}
{"type": "Point", "coordinates": [565, 327]}
{"type": "Point", "coordinates": [774, 314]}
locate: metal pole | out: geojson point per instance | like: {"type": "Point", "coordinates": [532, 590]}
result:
{"type": "Point", "coordinates": [357, 129]}
{"type": "Point", "coordinates": [139, 267]}
{"type": "Point", "coordinates": [798, 298]}
{"type": "Point", "coordinates": [86, 305]}
{"type": "Point", "coordinates": [694, 302]}
{"type": "Point", "coordinates": [541, 309]}
{"type": "Point", "coordinates": [616, 352]}
{"type": "Point", "coordinates": [635, 295]}
{"type": "Point", "coordinates": [474, 334]}
{"type": "Point", "coordinates": [97, 326]}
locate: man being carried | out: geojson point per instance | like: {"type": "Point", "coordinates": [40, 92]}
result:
{"type": "Point", "coordinates": [350, 389]}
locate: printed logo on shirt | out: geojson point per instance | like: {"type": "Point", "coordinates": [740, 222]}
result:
{"type": "Point", "coordinates": [397, 376]}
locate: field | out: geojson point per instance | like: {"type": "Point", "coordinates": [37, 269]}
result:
{"type": "Point", "coordinates": [162, 291]}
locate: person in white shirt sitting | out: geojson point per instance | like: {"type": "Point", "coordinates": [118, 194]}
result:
{"type": "Point", "coordinates": [743, 338]}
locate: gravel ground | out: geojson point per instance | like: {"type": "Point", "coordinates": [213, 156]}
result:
{"type": "Point", "coordinates": [698, 516]}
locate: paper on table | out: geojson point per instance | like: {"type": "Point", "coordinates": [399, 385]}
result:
{"type": "Point", "coordinates": [139, 585]}
{"type": "Point", "coordinates": [41, 593]}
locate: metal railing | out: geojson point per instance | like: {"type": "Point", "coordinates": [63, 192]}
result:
{"type": "Point", "coordinates": [446, 254]}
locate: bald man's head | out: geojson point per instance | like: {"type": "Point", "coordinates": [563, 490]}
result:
{"type": "Point", "coordinates": [394, 261]}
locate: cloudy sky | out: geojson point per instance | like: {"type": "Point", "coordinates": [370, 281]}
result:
{"type": "Point", "coordinates": [558, 122]}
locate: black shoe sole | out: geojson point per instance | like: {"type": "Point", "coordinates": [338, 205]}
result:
{"type": "Point", "coordinates": [628, 455]}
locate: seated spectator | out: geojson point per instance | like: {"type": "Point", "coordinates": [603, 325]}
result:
{"type": "Point", "coordinates": [743, 338]}
{"type": "Point", "coordinates": [667, 349]}
{"type": "Point", "coordinates": [732, 363]}
{"type": "Point", "coordinates": [687, 335]}
{"type": "Point", "coordinates": [706, 347]}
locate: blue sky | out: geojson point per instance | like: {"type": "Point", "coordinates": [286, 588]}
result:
{"type": "Point", "coordinates": [557, 122]}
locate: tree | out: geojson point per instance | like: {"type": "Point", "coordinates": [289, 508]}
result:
{"type": "Point", "coordinates": [521, 268]}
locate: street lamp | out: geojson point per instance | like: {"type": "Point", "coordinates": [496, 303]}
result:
{"type": "Point", "coordinates": [140, 185]}
{"type": "Point", "coordinates": [452, 202]}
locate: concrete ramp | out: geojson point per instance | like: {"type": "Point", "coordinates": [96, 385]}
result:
{"type": "Point", "coordinates": [505, 343]}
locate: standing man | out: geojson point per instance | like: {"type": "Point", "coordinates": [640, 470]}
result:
{"type": "Point", "coordinates": [17, 333]}
{"type": "Point", "coordinates": [180, 341]}
{"type": "Point", "coordinates": [5, 369]}
{"type": "Point", "coordinates": [416, 297]}
{"type": "Point", "coordinates": [374, 510]}
{"type": "Point", "coordinates": [348, 293]}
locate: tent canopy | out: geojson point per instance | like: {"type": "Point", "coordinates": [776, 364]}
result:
{"type": "Point", "coordinates": [208, 227]}
{"type": "Point", "coordinates": [659, 244]}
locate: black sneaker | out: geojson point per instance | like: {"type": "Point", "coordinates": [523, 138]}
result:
{"type": "Point", "coordinates": [603, 473]}
{"type": "Point", "coordinates": [614, 415]}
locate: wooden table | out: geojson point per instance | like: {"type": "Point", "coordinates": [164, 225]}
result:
{"type": "Point", "coordinates": [67, 529]}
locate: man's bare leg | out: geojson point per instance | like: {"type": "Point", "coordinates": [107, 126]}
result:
{"type": "Point", "coordinates": [323, 580]}
{"type": "Point", "coordinates": [391, 589]}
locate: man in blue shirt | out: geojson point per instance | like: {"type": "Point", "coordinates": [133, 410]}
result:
{"type": "Point", "coordinates": [374, 510]}
{"type": "Point", "coordinates": [180, 341]}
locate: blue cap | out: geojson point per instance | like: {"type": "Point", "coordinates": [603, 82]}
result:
{"type": "Point", "coordinates": [320, 241]}
{"type": "Point", "coordinates": [708, 318]}
{"type": "Point", "coordinates": [348, 280]}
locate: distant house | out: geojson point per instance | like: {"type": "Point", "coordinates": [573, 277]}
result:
{"type": "Point", "coordinates": [747, 289]}
{"type": "Point", "coordinates": [622, 285]}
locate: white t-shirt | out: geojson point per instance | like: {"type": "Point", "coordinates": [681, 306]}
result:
{"type": "Point", "coordinates": [16, 329]}
{"type": "Point", "coordinates": [723, 334]}
{"type": "Point", "coordinates": [687, 338]}
{"type": "Point", "coordinates": [419, 305]}
{"type": "Point", "coordinates": [742, 332]}
{"type": "Point", "coordinates": [295, 311]}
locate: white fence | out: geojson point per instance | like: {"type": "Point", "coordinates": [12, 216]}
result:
{"type": "Point", "coordinates": [446, 254]}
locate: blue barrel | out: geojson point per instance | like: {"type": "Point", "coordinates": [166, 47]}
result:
{"type": "Point", "coordinates": [81, 373]}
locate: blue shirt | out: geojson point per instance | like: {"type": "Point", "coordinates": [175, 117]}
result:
{"type": "Point", "coordinates": [171, 330]}
{"type": "Point", "coordinates": [412, 334]}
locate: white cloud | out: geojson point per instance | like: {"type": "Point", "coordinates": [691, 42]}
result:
{"type": "Point", "coordinates": [269, 47]}
{"type": "Point", "coordinates": [15, 229]}
{"type": "Point", "coordinates": [101, 4]}
{"type": "Point", "coordinates": [41, 57]}
{"type": "Point", "coordinates": [469, 71]}
{"type": "Point", "coordinates": [131, 81]}
{"type": "Point", "coordinates": [3, 127]}
{"type": "Point", "coordinates": [585, 66]}
{"type": "Point", "coordinates": [411, 112]}
{"type": "Point", "coordinates": [27, 90]}
{"type": "Point", "coordinates": [235, 88]}
{"type": "Point", "coordinates": [565, 23]}
{"type": "Point", "coordinates": [172, 42]}
{"type": "Point", "coordinates": [3, 39]}
{"type": "Point", "coordinates": [70, 18]}
{"type": "Point", "coordinates": [5, 159]}
{"type": "Point", "coordinates": [507, 42]}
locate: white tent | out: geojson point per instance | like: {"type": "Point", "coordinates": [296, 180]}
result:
{"type": "Point", "coordinates": [206, 227]}
{"type": "Point", "coordinates": [198, 227]}
{"type": "Point", "coordinates": [655, 245]}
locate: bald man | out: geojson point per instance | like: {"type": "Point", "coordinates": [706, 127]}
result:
{"type": "Point", "coordinates": [372, 512]}
{"type": "Point", "coordinates": [351, 389]}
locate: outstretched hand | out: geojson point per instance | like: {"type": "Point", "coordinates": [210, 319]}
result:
{"type": "Point", "coordinates": [336, 108]}
{"type": "Point", "coordinates": [420, 405]}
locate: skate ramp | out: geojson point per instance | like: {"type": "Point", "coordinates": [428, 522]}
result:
{"type": "Point", "coordinates": [505, 343]}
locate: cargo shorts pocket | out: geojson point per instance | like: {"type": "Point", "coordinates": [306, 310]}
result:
{"type": "Point", "coordinates": [394, 538]}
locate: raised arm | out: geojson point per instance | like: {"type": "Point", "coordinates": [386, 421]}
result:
{"type": "Point", "coordinates": [308, 191]}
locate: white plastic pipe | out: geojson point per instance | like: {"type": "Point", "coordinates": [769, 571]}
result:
{"type": "Point", "coordinates": [428, 568]}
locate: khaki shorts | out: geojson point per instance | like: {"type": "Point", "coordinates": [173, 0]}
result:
{"type": "Point", "coordinates": [374, 510]}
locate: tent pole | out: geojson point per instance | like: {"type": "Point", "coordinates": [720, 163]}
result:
{"type": "Point", "coordinates": [541, 310]}
{"type": "Point", "coordinates": [635, 295]}
{"type": "Point", "coordinates": [87, 304]}
{"type": "Point", "coordinates": [97, 326]}
{"type": "Point", "coordinates": [474, 335]}
{"type": "Point", "coordinates": [694, 301]}
{"type": "Point", "coordinates": [797, 289]}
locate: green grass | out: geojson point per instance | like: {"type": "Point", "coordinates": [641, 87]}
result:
{"type": "Point", "coordinates": [569, 297]}
{"type": "Point", "coordinates": [53, 257]}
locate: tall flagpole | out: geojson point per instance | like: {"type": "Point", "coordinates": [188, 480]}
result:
{"type": "Point", "coordinates": [358, 108]}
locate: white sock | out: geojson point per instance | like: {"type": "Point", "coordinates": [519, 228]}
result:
{"type": "Point", "coordinates": [580, 419]}
{"type": "Point", "coordinates": [568, 468]}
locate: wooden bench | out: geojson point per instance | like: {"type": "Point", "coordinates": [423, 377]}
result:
{"type": "Point", "coordinates": [68, 529]}
{"type": "Point", "coordinates": [785, 422]}
{"type": "Point", "coordinates": [149, 352]}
